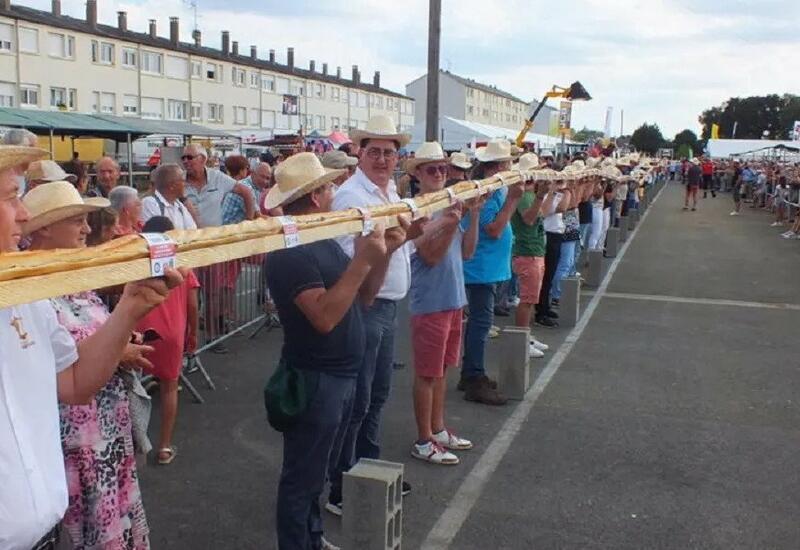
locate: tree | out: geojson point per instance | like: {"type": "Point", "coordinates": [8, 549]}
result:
{"type": "Point", "coordinates": [688, 138]}
{"type": "Point", "coordinates": [684, 151]}
{"type": "Point", "coordinates": [647, 138]}
{"type": "Point", "coordinates": [752, 116]}
{"type": "Point", "coordinates": [586, 135]}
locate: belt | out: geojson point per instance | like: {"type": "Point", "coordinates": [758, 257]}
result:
{"type": "Point", "coordinates": [49, 541]}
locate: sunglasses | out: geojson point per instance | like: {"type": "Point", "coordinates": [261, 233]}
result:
{"type": "Point", "coordinates": [189, 157]}
{"type": "Point", "coordinates": [433, 170]}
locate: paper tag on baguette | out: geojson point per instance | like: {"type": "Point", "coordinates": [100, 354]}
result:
{"type": "Point", "coordinates": [366, 217]}
{"type": "Point", "coordinates": [291, 235]}
{"type": "Point", "coordinates": [412, 204]}
{"type": "Point", "coordinates": [162, 252]}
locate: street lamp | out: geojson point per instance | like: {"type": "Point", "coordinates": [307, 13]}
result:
{"type": "Point", "coordinates": [575, 92]}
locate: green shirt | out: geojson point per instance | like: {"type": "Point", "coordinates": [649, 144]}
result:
{"type": "Point", "coordinates": [529, 240]}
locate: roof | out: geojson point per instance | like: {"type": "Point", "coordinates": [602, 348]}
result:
{"type": "Point", "coordinates": [723, 148]}
{"type": "Point", "coordinates": [80, 25]}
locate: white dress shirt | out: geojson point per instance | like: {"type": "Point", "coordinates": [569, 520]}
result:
{"type": "Point", "coordinates": [34, 347]}
{"type": "Point", "coordinates": [554, 221]}
{"type": "Point", "coordinates": [157, 205]}
{"type": "Point", "coordinates": [358, 190]}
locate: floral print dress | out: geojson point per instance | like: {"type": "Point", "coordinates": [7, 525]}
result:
{"type": "Point", "coordinates": [105, 509]}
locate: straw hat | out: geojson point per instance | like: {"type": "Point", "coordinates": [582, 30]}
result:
{"type": "Point", "coordinates": [380, 127]}
{"type": "Point", "coordinates": [48, 170]}
{"type": "Point", "coordinates": [516, 151]}
{"type": "Point", "coordinates": [338, 160]}
{"type": "Point", "coordinates": [528, 161]}
{"type": "Point", "coordinates": [298, 175]}
{"type": "Point", "coordinates": [497, 150]}
{"type": "Point", "coordinates": [460, 160]}
{"type": "Point", "coordinates": [430, 151]}
{"type": "Point", "coordinates": [15, 155]}
{"type": "Point", "coordinates": [55, 201]}
{"type": "Point", "coordinates": [593, 162]}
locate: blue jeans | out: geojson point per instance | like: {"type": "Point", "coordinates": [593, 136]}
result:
{"type": "Point", "coordinates": [307, 447]}
{"type": "Point", "coordinates": [480, 300]}
{"type": "Point", "coordinates": [565, 263]}
{"type": "Point", "coordinates": [362, 435]}
{"type": "Point", "coordinates": [585, 229]}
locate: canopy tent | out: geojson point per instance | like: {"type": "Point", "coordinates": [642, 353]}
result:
{"type": "Point", "coordinates": [725, 148]}
{"type": "Point", "coordinates": [338, 138]}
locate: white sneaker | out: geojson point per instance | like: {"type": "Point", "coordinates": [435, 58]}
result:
{"type": "Point", "coordinates": [534, 352]}
{"type": "Point", "coordinates": [776, 224]}
{"type": "Point", "coordinates": [514, 302]}
{"type": "Point", "coordinates": [433, 452]}
{"type": "Point", "coordinates": [326, 545]}
{"type": "Point", "coordinates": [449, 440]}
{"type": "Point", "coordinates": [789, 235]}
{"type": "Point", "coordinates": [539, 345]}
{"type": "Point", "coordinates": [734, 213]}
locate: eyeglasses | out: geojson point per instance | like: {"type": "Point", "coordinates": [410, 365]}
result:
{"type": "Point", "coordinates": [433, 170]}
{"type": "Point", "coordinates": [374, 153]}
{"type": "Point", "coordinates": [189, 157]}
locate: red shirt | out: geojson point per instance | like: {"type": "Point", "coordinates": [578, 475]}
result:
{"type": "Point", "coordinates": [708, 168]}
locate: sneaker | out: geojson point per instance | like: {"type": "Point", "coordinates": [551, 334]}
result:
{"type": "Point", "coordinates": [431, 451]}
{"type": "Point", "coordinates": [326, 545]}
{"type": "Point", "coordinates": [734, 213]}
{"type": "Point", "coordinates": [788, 235]}
{"type": "Point", "coordinates": [493, 333]}
{"type": "Point", "coordinates": [533, 351]}
{"type": "Point", "coordinates": [552, 314]}
{"type": "Point", "coordinates": [539, 345]}
{"type": "Point", "coordinates": [501, 311]}
{"type": "Point", "coordinates": [449, 440]}
{"type": "Point", "coordinates": [694, 209]}
{"type": "Point", "coordinates": [686, 208]}
{"type": "Point", "coordinates": [220, 349]}
{"type": "Point", "coordinates": [406, 490]}
{"type": "Point", "coordinates": [555, 302]}
{"type": "Point", "coordinates": [514, 302]}
{"type": "Point", "coordinates": [494, 328]}
{"type": "Point", "coordinates": [546, 322]}
{"type": "Point", "coordinates": [480, 392]}
{"type": "Point", "coordinates": [462, 383]}
{"type": "Point", "coordinates": [334, 508]}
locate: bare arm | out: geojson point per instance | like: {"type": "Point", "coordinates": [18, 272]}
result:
{"type": "Point", "coordinates": [249, 202]}
{"type": "Point", "coordinates": [470, 241]}
{"type": "Point", "coordinates": [495, 228]}
{"type": "Point", "coordinates": [394, 238]}
{"type": "Point", "coordinates": [530, 215]}
{"type": "Point", "coordinates": [192, 317]}
{"type": "Point", "coordinates": [564, 205]}
{"type": "Point", "coordinates": [433, 246]}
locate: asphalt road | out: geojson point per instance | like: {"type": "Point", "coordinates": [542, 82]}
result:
{"type": "Point", "coordinates": [671, 423]}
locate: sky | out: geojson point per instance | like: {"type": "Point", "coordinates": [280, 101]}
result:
{"type": "Point", "coordinates": [660, 61]}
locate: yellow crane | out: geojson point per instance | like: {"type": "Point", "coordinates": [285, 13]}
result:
{"type": "Point", "coordinates": [575, 92]}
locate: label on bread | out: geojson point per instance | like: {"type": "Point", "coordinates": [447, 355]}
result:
{"type": "Point", "coordinates": [412, 204]}
{"type": "Point", "coordinates": [366, 217]}
{"type": "Point", "coordinates": [162, 252]}
{"type": "Point", "coordinates": [291, 235]}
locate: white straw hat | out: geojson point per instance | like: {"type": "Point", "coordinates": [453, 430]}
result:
{"type": "Point", "coordinates": [497, 150]}
{"type": "Point", "coordinates": [48, 170]}
{"type": "Point", "coordinates": [460, 160]}
{"type": "Point", "coordinates": [528, 161]}
{"type": "Point", "coordinates": [338, 160]}
{"type": "Point", "coordinates": [55, 201]}
{"type": "Point", "coordinates": [430, 151]}
{"type": "Point", "coordinates": [380, 127]}
{"type": "Point", "coordinates": [16, 155]}
{"type": "Point", "coordinates": [296, 176]}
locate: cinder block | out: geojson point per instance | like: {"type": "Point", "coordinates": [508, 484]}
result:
{"type": "Point", "coordinates": [570, 310]}
{"type": "Point", "coordinates": [612, 242]}
{"type": "Point", "coordinates": [595, 274]}
{"type": "Point", "coordinates": [372, 519]}
{"type": "Point", "coordinates": [513, 360]}
{"type": "Point", "coordinates": [623, 228]}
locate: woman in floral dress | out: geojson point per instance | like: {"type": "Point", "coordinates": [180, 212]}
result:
{"type": "Point", "coordinates": [105, 510]}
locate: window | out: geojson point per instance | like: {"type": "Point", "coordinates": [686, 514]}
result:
{"type": "Point", "coordinates": [7, 93]}
{"type": "Point", "coordinates": [103, 102]}
{"type": "Point", "coordinates": [62, 45]}
{"type": "Point", "coordinates": [267, 83]}
{"type": "Point", "coordinates": [240, 115]}
{"type": "Point", "coordinates": [308, 121]}
{"type": "Point", "coordinates": [335, 91]}
{"type": "Point", "coordinates": [353, 98]}
{"type": "Point", "coordinates": [128, 58]}
{"type": "Point", "coordinates": [197, 111]}
{"type": "Point", "coordinates": [28, 40]}
{"type": "Point", "coordinates": [406, 107]}
{"type": "Point", "coordinates": [390, 103]}
{"type": "Point", "coordinates": [362, 99]}
{"type": "Point", "coordinates": [102, 52]}
{"type": "Point", "coordinates": [378, 101]}
{"type": "Point", "coordinates": [297, 88]}
{"type": "Point", "coordinates": [6, 35]}
{"type": "Point", "coordinates": [254, 121]}
{"type": "Point", "coordinates": [216, 112]}
{"type": "Point", "coordinates": [63, 98]}
{"type": "Point", "coordinates": [197, 69]}
{"type": "Point", "coordinates": [319, 91]}
{"type": "Point", "coordinates": [239, 76]}
{"type": "Point", "coordinates": [177, 109]}
{"type": "Point", "coordinates": [213, 72]}
{"type": "Point", "coordinates": [485, 112]}
{"type": "Point", "coordinates": [152, 63]}
{"type": "Point", "coordinates": [282, 85]}
{"type": "Point", "coordinates": [470, 92]}
{"type": "Point", "coordinates": [29, 95]}
{"type": "Point", "coordinates": [268, 119]}
{"type": "Point", "coordinates": [152, 107]}
{"type": "Point", "coordinates": [176, 67]}
{"type": "Point", "coordinates": [470, 110]}
{"type": "Point", "coordinates": [320, 122]}
{"type": "Point", "coordinates": [130, 105]}
{"type": "Point", "coordinates": [254, 78]}
{"type": "Point", "coordinates": [282, 121]}
{"type": "Point", "coordinates": [335, 122]}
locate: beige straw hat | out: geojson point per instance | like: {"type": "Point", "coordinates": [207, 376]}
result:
{"type": "Point", "coordinates": [528, 161]}
{"type": "Point", "coordinates": [48, 170]}
{"type": "Point", "coordinates": [380, 127]}
{"type": "Point", "coordinates": [296, 176]}
{"type": "Point", "coordinates": [55, 201]}
{"type": "Point", "coordinates": [338, 160]}
{"type": "Point", "coordinates": [15, 155]}
{"type": "Point", "coordinates": [430, 151]}
{"type": "Point", "coordinates": [460, 160]}
{"type": "Point", "coordinates": [497, 150]}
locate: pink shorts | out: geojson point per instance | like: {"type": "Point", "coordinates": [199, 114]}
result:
{"type": "Point", "coordinates": [436, 338]}
{"type": "Point", "coordinates": [530, 273]}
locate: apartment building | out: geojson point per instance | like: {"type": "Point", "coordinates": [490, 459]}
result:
{"type": "Point", "coordinates": [465, 99]}
{"type": "Point", "coordinates": [52, 61]}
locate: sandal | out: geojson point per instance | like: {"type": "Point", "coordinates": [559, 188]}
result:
{"type": "Point", "coordinates": [170, 452]}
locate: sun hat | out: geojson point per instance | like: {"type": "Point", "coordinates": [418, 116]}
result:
{"type": "Point", "coordinates": [48, 170]}
{"type": "Point", "coordinates": [547, 155]}
{"type": "Point", "coordinates": [516, 151]}
{"type": "Point", "coordinates": [460, 160]}
{"type": "Point", "coordinates": [55, 201]}
{"type": "Point", "coordinates": [379, 127]}
{"type": "Point", "coordinates": [338, 160]}
{"type": "Point", "coordinates": [497, 150]}
{"type": "Point", "coordinates": [528, 161]}
{"type": "Point", "coordinates": [430, 151]}
{"type": "Point", "coordinates": [296, 176]}
{"type": "Point", "coordinates": [15, 155]}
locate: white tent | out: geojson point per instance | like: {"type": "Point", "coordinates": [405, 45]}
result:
{"type": "Point", "coordinates": [455, 135]}
{"type": "Point", "coordinates": [724, 148]}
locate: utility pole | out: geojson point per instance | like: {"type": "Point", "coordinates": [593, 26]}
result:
{"type": "Point", "coordinates": [621, 122]}
{"type": "Point", "coordinates": [434, 35]}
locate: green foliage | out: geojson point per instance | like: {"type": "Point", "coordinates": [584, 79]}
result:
{"type": "Point", "coordinates": [647, 138]}
{"type": "Point", "coordinates": [753, 115]}
{"type": "Point", "coordinates": [684, 151]}
{"type": "Point", "coordinates": [586, 135]}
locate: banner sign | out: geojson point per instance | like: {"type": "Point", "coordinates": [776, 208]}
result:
{"type": "Point", "coordinates": [607, 125]}
{"type": "Point", "coordinates": [564, 115]}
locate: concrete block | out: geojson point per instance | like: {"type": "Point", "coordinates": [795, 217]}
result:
{"type": "Point", "coordinates": [372, 519]}
{"type": "Point", "coordinates": [513, 360]}
{"type": "Point", "coordinates": [612, 242]}
{"type": "Point", "coordinates": [595, 274]}
{"type": "Point", "coordinates": [624, 224]}
{"type": "Point", "coordinates": [570, 309]}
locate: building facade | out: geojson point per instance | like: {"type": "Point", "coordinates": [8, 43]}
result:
{"type": "Point", "coordinates": [466, 99]}
{"type": "Point", "coordinates": [52, 61]}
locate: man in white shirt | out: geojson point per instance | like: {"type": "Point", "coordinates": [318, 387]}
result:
{"type": "Point", "coordinates": [554, 232]}
{"type": "Point", "coordinates": [40, 365]}
{"type": "Point", "coordinates": [168, 199]}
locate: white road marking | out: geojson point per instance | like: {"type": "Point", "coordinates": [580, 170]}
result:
{"type": "Point", "coordinates": [458, 509]}
{"type": "Point", "coordinates": [701, 301]}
